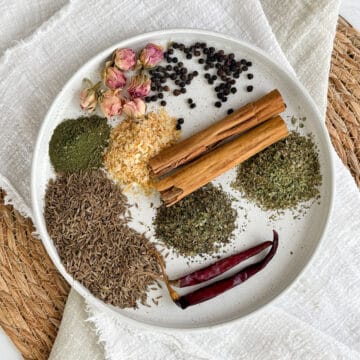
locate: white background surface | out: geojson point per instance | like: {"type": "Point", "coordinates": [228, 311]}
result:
{"type": "Point", "coordinates": [350, 10]}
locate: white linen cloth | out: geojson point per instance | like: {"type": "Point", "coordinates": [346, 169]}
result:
{"type": "Point", "coordinates": [319, 317]}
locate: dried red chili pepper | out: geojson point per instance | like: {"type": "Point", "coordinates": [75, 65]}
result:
{"type": "Point", "coordinates": [218, 287]}
{"type": "Point", "coordinates": [219, 267]}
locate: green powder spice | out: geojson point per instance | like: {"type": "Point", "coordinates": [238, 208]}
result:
{"type": "Point", "coordinates": [78, 144]}
{"type": "Point", "coordinates": [198, 224]}
{"type": "Point", "coordinates": [283, 175]}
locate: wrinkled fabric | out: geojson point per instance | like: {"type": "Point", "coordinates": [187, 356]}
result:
{"type": "Point", "coordinates": [319, 316]}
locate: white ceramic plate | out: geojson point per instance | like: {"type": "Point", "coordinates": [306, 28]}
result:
{"type": "Point", "coordinates": [298, 238]}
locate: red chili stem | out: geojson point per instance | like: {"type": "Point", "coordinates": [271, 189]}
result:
{"type": "Point", "coordinates": [219, 267]}
{"type": "Point", "coordinates": [218, 287]}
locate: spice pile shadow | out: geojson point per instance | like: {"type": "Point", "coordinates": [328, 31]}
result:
{"type": "Point", "coordinates": [199, 224]}
{"type": "Point", "coordinates": [85, 217]}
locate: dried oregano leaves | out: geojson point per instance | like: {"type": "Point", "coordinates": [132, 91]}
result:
{"type": "Point", "coordinates": [283, 175]}
{"type": "Point", "coordinates": [198, 224]}
{"type": "Point", "coordinates": [85, 217]}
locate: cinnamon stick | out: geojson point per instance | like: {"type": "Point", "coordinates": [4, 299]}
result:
{"type": "Point", "coordinates": [204, 141]}
{"type": "Point", "coordinates": [186, 180]}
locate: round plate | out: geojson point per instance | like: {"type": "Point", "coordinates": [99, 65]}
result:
{"type": "Point", "coordinates": [298, 238]}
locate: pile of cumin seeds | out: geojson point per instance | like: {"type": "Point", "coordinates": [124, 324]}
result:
{"type": "Point", "coordinates": [85, 215]}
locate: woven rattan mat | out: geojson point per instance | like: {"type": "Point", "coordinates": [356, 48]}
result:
{"type": "Point", "coordinates": [33, 293]}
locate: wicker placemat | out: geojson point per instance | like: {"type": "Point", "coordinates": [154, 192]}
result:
{"type": "Point", "coordinates": [33, 293]}
{"type": "Point", "coordinates": [343, 111]}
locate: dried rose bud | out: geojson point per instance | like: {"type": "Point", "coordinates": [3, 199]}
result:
{"type": "Point", "coordinates": [89, 96]}
{"type": "Point", "coordinates": [134, 108]}
{"type": "Point", "coordinates": [151, 55]}
{"type": "Point", "coordinates": [139, 86]}
{"type": "Point", "coordinates": [111, 103]}
{"type": "Point", "coordinates": [124, 59]}
{"type": "Point", "coordinates": [113, 77]}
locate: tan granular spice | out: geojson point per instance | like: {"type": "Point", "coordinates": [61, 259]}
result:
{"type": "Point", "coordinates": [133, 143]}
{"type": "Point", "coordinates": [85, 216]}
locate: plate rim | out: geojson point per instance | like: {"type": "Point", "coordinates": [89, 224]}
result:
{"type": "Point", "coordinates": [38, 212]}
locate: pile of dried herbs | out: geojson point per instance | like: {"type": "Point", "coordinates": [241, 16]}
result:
{"type": "Point", "coordinates": [79, 144]}
{"type": "Point", "coordinates": [85, 216]}
{"type": "Point", "coordinates": [198, 224]}
{"type": "Point", "coordinates": [283, 175]}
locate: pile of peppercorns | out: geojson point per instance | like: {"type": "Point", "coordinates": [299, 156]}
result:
{"type": "Point", "coordinates": [224, 67]}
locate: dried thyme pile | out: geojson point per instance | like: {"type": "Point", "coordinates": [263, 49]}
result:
{"type": "Point", "coordinates": [85, 217]}
{"type": "Point", "coordinates": [283, 175]}
{"type": "Point", "coordinates": [198, 224]}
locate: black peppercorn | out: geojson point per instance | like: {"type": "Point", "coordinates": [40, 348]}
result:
{"type": "Point", "coordinates": [176, 92]}
{"type": "Point", "coordinates": [218, 104]}
{"type": "Point", "coordinates": [230, 111]}
{"type": "Point", "coordinates": [160, 96]}
{"type": "Point", "coordinates": [233, 90]}
{"type": "Point", "coordinates": [188, 56]}
{"type": "Point", "coordinates": [249, 88]}
{"type": "Point", "coordinates": [180, 121]}
{"type": "Point", "coordinates": [190, 101]}
{"type": "Point", "coordinates": [178, 127]}
{"type": "Point", "coordinates": [250, 76]}
{"type": "Point", "coordinates": [163, 103]}
{"type": "Point", "coordinates": [183, 90]}
{"type": "Point", "coordinates": [192, 106]}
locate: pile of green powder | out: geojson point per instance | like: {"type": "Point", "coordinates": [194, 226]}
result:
{"type": "Point", "coordinates": [199, 223]}
{"type": "Point", "coordinates": [79, 144]}
{"type": "Point", "coordinates": [283, 175]}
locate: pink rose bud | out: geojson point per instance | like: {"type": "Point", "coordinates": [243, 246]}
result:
{"type": "Point", "coordinates": [151, 55]}
{"type": "Point", "coordinates": [111, 103]}
{"type": "Point", "coordinates": [139, 86]}
{"type": "Point", "coordinates": [114, 78]}
{"type": "Point", "coordinates": [89, 96]}
{"type": "Point", "coordinates": [124, 59]}
{"type": "Point", "coordinates": [134, 108]}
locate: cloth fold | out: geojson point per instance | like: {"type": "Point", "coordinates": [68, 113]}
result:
{"type": "Point", "coordinates": [319, 317]}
